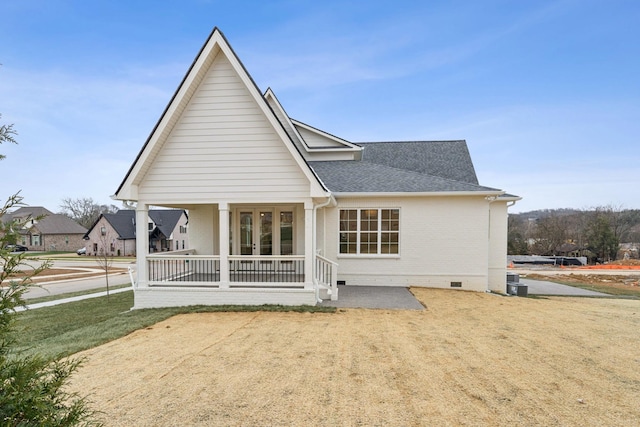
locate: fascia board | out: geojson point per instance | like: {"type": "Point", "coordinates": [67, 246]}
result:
{"type": "Point", "coordinates": [327, 135]}
{"type": "Point", "coordinates": [423, 194]}
{"type": "Point", "coordinates": [269, 94]}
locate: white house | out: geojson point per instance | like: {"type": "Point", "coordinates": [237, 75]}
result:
{"type": "Point", "coordinates": [279, 211]}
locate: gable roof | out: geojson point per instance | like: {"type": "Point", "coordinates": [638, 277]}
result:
{"type": "Point", "coordinates": [216, 44]}
{"type": "Point", "coordinates": [49, 223]}
{"type": "Point", "coordinates": [166, 219]}
{"type": "Point", "coordinates": [59, 224]}
{"type": "Point", "coordinates": [124, 221]}
{"type": "Point", "coordinates": [26, 212]}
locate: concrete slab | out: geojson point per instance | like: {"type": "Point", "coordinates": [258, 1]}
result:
{"type": "Point", "coordinates": [543, 287]}
{"type": "Point", "coordinates": [391, 298]}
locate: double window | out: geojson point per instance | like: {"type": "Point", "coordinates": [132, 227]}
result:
{"type": "Point", "coordinates": [369, 231]}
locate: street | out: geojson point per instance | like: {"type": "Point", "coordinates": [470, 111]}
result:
{"type": "Point", "coordinates": [81, 284]}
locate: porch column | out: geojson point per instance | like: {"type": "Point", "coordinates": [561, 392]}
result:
{"type": "Point", "coordinates": [142, 243]}
{"type": "Point", "coordinates": [223, 221]}
{"type": "Point", "coordinates": [308, 245]}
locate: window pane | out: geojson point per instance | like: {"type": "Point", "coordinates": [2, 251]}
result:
{"type": "Point", "coordinates": [286, 233]}
{"type": "Point", "coordinates": [348, 220]}
{"type": "Point", "coordinates": [369, 243]}
{"type": "Point", "coordinates": [348, 243]}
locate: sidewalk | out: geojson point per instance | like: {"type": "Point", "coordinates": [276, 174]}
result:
{"type": "Point", "coordinates": [71, 299]}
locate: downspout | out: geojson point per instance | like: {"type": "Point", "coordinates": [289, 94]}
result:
{"type": "Point", "coordinates": [490, 199]}
{"type": "Point", "coordinates": [330, 201]}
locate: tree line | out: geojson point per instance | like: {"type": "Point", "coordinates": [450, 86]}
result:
{"type": "Point", "coordinates": [602, 234]}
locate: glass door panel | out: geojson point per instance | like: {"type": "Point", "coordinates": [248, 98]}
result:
{"type": "Point", "coordinates": [246, 233]}
{"type": "Point", "coordinates": [286, 233]}
{"type": "Point", "coordinates": [266, 233]}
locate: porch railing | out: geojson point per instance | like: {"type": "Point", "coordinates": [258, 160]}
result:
{"type": "Point", "coordinates": [326, 276]}
{"type": "Point", "coordinates": [169, 269]}
{"type": "Point", "coordinates": [204, 270]}
{"type": "Point", "coordinates": [266, 269]}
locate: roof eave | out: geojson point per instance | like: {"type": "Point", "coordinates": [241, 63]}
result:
{"type": "Point", "coordinates": [420, 194]}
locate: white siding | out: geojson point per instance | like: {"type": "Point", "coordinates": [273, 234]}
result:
{"type": "Point", "coordinates": [222, 147]}
{"type": "Point", "coordinates": [442, 240]}
{"type": "Point", "coordinates": [498, 245]}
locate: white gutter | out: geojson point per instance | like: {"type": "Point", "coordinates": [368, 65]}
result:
{"type": "Point", "coordinates": [421, 194]}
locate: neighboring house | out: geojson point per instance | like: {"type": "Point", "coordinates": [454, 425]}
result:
{"type": "Point", "coordinates": [280, 211]}
{"type": "Point", "coordinates": [46, 231]}
{"type": "Point", "coordinates": [115, 233]}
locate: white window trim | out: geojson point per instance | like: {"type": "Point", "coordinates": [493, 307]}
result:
{"type": "Point", "coordinates": [376, 255]}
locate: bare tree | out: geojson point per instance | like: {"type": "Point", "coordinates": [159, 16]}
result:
{"type": "Point", "coordinates": [104, 256]}
{"type": "Point", "coordinates": [85, 211]}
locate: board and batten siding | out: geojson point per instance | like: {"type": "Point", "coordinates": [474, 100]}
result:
{"type": "Point", "coordinates": [222, 147]}
{"type": "Point", "coordinates": [442, 240]}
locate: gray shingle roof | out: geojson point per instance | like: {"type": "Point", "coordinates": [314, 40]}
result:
{"type": "Point", "coordinates": [363, 177]}
{"type": "Point", "coordinates": [59, 224]}
{"type": "Point", "coordinates": [403, 167]}
{"type": "Point", "coordinates": [166, 220]}
{"type": "Point", "coordinates": [446, 159]}
{"type": "Point", "coordinates": [123, 221]}
{"type": "Point", "coordinates": [50, 223]}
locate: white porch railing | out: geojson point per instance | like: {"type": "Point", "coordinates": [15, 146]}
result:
{"type": "Point", "coordinates": [326, 276]}
{"type": "Point", "coordinates": [188, 269]}
{"type": "Point", "coordinates": [184, 268]}
{"type": "Point", "coordinates": [266, 269]}
{"type": "Point", "coordinates": [176, 269]}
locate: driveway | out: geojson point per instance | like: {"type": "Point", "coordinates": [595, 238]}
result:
{"type": "Point", "coordinates": [543, 287]}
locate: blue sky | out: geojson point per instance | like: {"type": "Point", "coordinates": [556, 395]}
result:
{"type": "Point", "coordinates": [546, 93]}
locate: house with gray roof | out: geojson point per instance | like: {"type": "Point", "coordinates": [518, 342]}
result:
{"type": "Point", "coordinates": [281, 212]}
{"type": "Point", "coordinates": [42, 230]}
{"type": "Point", "coordinates": [115, 233]}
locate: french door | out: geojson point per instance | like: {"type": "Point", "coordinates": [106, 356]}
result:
{"type": "Point", "coordinates": [264, 231]}
{"type": "Point", "coordinates": [256, 231]}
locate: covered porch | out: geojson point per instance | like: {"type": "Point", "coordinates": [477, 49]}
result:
{"type": "Point", "coordinates": [241, 253]}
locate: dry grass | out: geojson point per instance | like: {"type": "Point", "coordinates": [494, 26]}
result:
{"type": "Point", "coordinates": [469, 359]}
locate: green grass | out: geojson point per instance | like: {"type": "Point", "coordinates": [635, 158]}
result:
{"type": "Point", "coordinates": [65, 329]}
{"type": "Point", "coordinates": [74, 294]}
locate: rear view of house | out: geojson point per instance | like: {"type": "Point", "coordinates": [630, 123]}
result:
{"type": "Point", "coordinates": [280, 212]}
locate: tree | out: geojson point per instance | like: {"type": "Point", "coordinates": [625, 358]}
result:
{"type": "Point", "coordinates": [84, 210]}
{"type": "Point", "coordinates": [104, 257]}
{"type": "Point", "coordinates": [516, 242]}
{"type": "Point", "coordinates": [601, 238]}
{"type": "Point", "coordinates": [7, 135]}
{"type": "Point", "coordinates": [31, 387]}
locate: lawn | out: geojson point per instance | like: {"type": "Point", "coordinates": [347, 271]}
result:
{"type": "Point", "coordinates": [468, 359]}
{"type": "Point", "coordinates": [68, 328]}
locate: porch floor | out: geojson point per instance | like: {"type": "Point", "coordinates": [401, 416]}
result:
{"type": "Point", "coordinates": [242, 276]}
